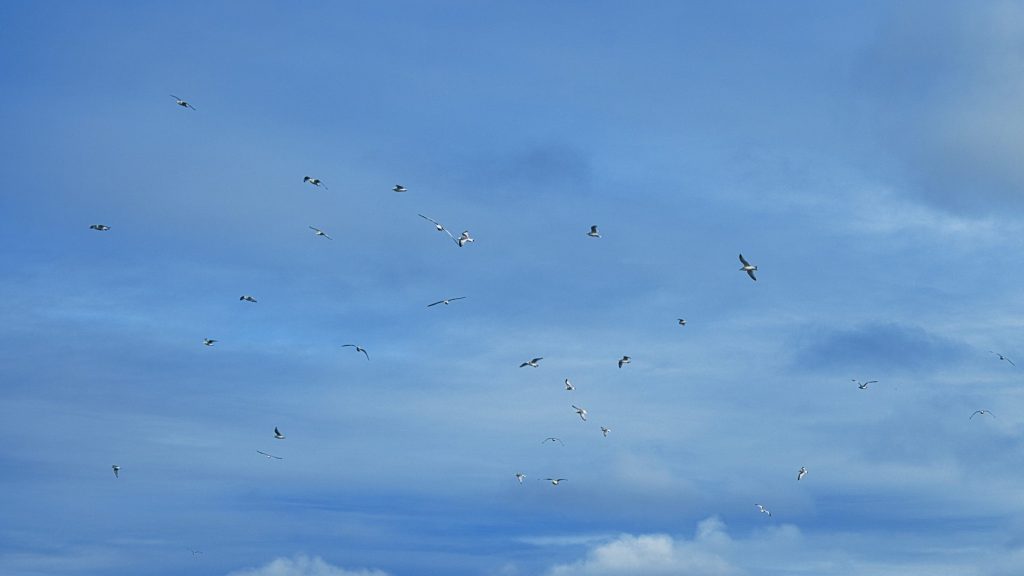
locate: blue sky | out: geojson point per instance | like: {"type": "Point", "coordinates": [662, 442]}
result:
{"type": "Point", "coordinates": [864, 155]}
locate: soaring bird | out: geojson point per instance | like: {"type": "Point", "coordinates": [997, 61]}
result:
{"type": "Point", "coordinates": [440, 227]}
{"type": "Point", "coordinates": [568, 385]}
{"type": "Point", "coordinates": [319, 232]}
{"type": "Point", "coordinates": [182, 103]}
{"type": "Point", "coordinates": [555, 481]}
{"type": "Point", "coordinates": [863, 385]}
{"type": "Point", "coordinates": [801, 473]}
{"type": "Point", "coordinates": [624, 360]}
{"type": "Point", "coordinates": [682, 322]}
{"type": "Point", "coordinates": [117, 470]}
{"type": "Point", "coordinates": [1001, 357]}
{"type": "Point", "coordinates": [358, 349]}
{"type": "Point", "coordinates": [446, 301]}
{"type": "Point", "coordinates": [982, 412]}
{"type": "Point", "coordinates": [581, 411]}
{"type": "Point", "coordinates": [277, 434]}
{"type": "Point", "coordinates": [399, 188]}
{"type": "Point", "coordinates": [247, 299]}
{"type": "Point", "coordinates": [748, 268]}
{"type": "Point", "coordinates": [594, 233]}
{"type": "Point", "coordinates": [763, 510]}
{"type": "Point", "coordinates": [100, 227]}
{"type": "Point", "coordinates": [208, 341]}
{"type": "Point", "coordinates": [314, 181]}
{"type": "Point", "coordinates": [605, 431]}
{"type": "Point", "coordinates": [520, 476]}
{"type": "Point", "coordinates": [531, 363]}
{"type": "Point", "coordinates": [270, 455]}
{"type": "Point", "coordinates": [463, 239]}
{"type": "Point", "coordinates": [552, 439]}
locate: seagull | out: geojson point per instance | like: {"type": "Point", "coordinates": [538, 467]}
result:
{"type": "Point", "coordinates": [208, 341]}
{"type": "Point", "coordinates": [269, 455]}
{"type": "Point", "coordinates": [319, 232]}
{"type": "Point", "coordinates": [552, 439]}
{"type": "Point", "coordinates": [358, 349]}
{"type": "Point", "coordinates": [1001, 357]}
{"type": "Point", "coordinates": [982, 412]}
{"type": "Point", "coordinates": [682, 322]}
{"type": "Point", "coordinates": [314, 181]}
{"type": "Point", "coordinates": [117, 470]}
{"type": "Point", "coordinates": [100, 227]}
{"type": "Point", "coordinates": [195, 552]}
{"type": "Point", "coordinates": [605, 431]}
{"type": "Point", "coordinates": [277, 434]}
{"type": "Point", "coordinates": [625, 360]}
{"type": "Point", "coordinates": [532, 363]}
{"type": "Point", "coordinates": [581, 411]}
{"type": "Point", "coordinates": [801, 473]}
{"type": "Point", "coordinates": [863, 385]}
{"type": "Point", "coordinates": [446, 301]}
{"type": "Point", "coordinates": [594, 233]}
{"type": "Point", "coordinates": [568, 385]}
{"type": "Point", "coordinates": [520, 476]}
{"type": "Point", "coordinates": [748, 268]}
{"type": "Point", "coordinates": [182, 103]}
{"type": "Point", "coordinates": [764, 510]}
{"type": "Point", "coordinates": [248, 299]}
{"type": "Point", "coordinates": [399, 188]}
{"type": "Point", "coordinates": [440, 227]}
{"type": "Point", "coordinates": [463, 239]}
{"type": "Point", "coordinates": [555, 481]}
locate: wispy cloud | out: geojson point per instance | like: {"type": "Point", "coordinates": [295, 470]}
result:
{"type": "Point", "coordinates": [303, 565]}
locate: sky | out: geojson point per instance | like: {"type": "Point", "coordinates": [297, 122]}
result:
{"type": "Point", "coordinates": [864, 155]}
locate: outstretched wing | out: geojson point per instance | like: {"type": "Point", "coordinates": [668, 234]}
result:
{"type": "Point", "coordinates": [744, 260]}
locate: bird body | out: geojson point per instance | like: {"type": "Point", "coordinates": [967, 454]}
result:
{"type": "Point", "coordinates": [568, 385]}
{"type": "Point", "coordinates": [624, 360]}
{"type": "Point", "coordinates": [463, 239]}
{"type": "Point", "coordinates": [520, 476]}
{"type": "Point", "coordinates": [581, 411]}
{"type": "Point", "coordinates": [208, 341]}
{"type": "Point", "coordinates": [534, 363]}
{"type": "Point", "coordinates": [682, 322]}
{"type": "Point", "coordinates": [117, 470]}
{"type": "Point", "coordinates": [277, 434]}
{"type": "Point", "coordinates": [100, 227]}
{"type": "Point", "coordinates": [864, 385]}
{"type": "Point", "coordinates": [399, 188]}
{"type": "Point", "coordinates": [555, 481]}
{"type": "Point", "coordinates": [247, 298]}
{"type": "Point", "coordinates": [594, 233]}
{"type": "Point", "coordinates": [801, 473]}
{"type": "Point", "coordinates": [748, 268]}
{"type": "Point", "coordinates": [605, 431]}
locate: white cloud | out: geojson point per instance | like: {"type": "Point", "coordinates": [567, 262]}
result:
{"type": "Point", "coordinates": [303, 565]}
{"type": "Point", "coordinates": [654, 554]}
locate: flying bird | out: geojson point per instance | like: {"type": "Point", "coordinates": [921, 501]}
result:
{"type": "Point", "coordinates": [763, 510]}
{"type": "Point", "coordinates": [682, 322]}
{"type": "Point", "coordinates": [581, 411]}
{"type": "Point", "coordinates": [594, 233]}
{"type": "Point", "coordinates": [552, 439]}
{"type": "Point", "coordinates": [605, 431]}
{"type": "Point", "coordinates": [248, 298]}
{"type": "Point", "coordinates": [624, 360]}
{"type": "Point", "coordinates": [445, 301]}
{"type": "Point", "coordinates": [399, 188]}
{"type": "Point", "coordinates": [801, 473]}
{"type": "Point", "coordinates": [520, 476]}
{"type": "Point", "coordinates": [748, 268]}
{"type": "Point", "coordinates": [863, 385]}
{"type": "Point", "coordinates": [358, 349]}
{"type": "Point", "coordinates": [182, 103]}
{"type": "Point", "coordinates": [1001, 357]}
{"type": "Point", "coordinates": [208, 341]}
{"type": "Point", "coordinates": [117, 470]}
{"type": "Point", "coordinates": [100, 227]}
{"type": "Point", "coordinates": [269, 455]}
{"type": "Point", "coordinates": [314, 181]}
{"type": "Point", "coordinates": [195, 552]}
{"type": "Point", "coordinates": [440, 227]}
{"type": "Point", "coordinates": [463, 239]}
{"type": "Point", "coordinates": [319, 232]}
{"type": "Point", "coordinates": [531, 363]}
{"type": "Point", "coordinates": [568, 385]}
{"type": "Point", "coordinates": [277, 434]}
{"type": "Point", "coordinates": [982, 412]}
{"type": "Point", "coordinates": [555, 481]}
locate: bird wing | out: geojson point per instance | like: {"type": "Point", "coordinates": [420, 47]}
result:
{"type": "Point", "coordinates": [435, 303]}
{"type": "Point", "coordinates": [751, 274]}
{"type": "Point", "coordinates": [975, 413]}
{"type": "Point", "coordinates": [431, 219]}
{"type": "Point", "coordinates": [363, 350]}
{"type": "Point", "coordinates": [1010, 361]}
{"type": "Point", "coordinates": [459, 298]}
{"type": "Point", "coordinates": [744, 260]}
{"type": "Point", "coordinates": [593, 229]}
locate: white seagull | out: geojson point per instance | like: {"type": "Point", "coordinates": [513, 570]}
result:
{"type": "Point", "coordinates": [314, 181]}
{"type": "Point", "coordinates": [520, 476]}
{"type": "Point", "coordinates": [555, 481]}
{"type": "Point", "coordinates": [801, 473]}
{"type": "Point", "coordinates": [277, 434]}
{"type": "Point", "coordinates": [581, 411]}
{"type": "Point", "coordinates": [532, 363]}
{"type": "Point", "coordinates": [605, 431]}
{"type": "Point", "coordinates": [568, 385]}
{"type": "Point", "coordinates": [982, 412]}
{"type": "Point", "coordinates": [440, 227]}
{"type": "Point", "coordinates": [247, 298]}
{"type": "Point", "coordinates": [358, 349]}
{"type": "Point", "coordinates": [269, 455]}
{"type": "Point", "coordinates": [1001, 357]}
{"type": "Point", "coordinates": [100, 227]}
{"type": "Point", "coordinates": [682, 322]}
{"type": "Point", "coordinates": [463, 239]}
{"type": "Point", "coordinates": [319, 232]}
{"type": "Point", "coordinates": [763, 510]}
{"type": "Point", "coordinates": [208, 341]}
{"type": "Point", "coordinates": [625, 360]}
{"type": "Point", "coordinates": [399, 188]}
{"type": "Point", "coordinates": [182, 103]}
{"type": "Point", "coordinates": [748, 268]}
{"type": "Point", "coordinates": [863, 385]}
{"type": "Point", "coordinates": [594, 233]}
{"type": "Point", "coordinates": [117, 470]}
{"type": "Point", "coordinates": [446, 301]}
